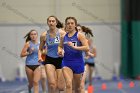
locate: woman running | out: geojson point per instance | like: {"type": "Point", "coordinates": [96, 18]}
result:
{"type": "Point", "coordinates": [53, 61]}
{"type": "Point", "coordinates": [30, 51]}
{"type": "Point", "coordinates": [89, 56]}
{"type": "Point", "coordinates": [73, 44]}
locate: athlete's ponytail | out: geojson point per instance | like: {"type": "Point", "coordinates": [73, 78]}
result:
{"type": "Point", "coordinates": [88, 31]}
{"type": "Point", "coordinates": [59, 24]}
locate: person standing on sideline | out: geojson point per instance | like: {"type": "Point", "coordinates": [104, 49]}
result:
{"type": "Point", "coordinates": [30, 51]}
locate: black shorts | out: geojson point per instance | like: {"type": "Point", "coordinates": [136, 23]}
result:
{"type": "Point", "coordinates": [90, 64]}
{"type": "Point", "coordinates": [57, 62]}
{"type": "Point", "coordinates": [32, 67]}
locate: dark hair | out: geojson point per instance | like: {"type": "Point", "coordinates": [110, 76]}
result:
{"type": "Point", "coordinates": [27, 36]}
{"type": "Point", "coordinates": [78, 25]}
{"type": "Point", "coordinates": [88, 31]}
{"type": "Point", "coordinates": [53, 17]}
{"type": "Point", "coordinates": [59, 24]}
{"type": "Point", "coordinates": [71, 18]}
{"type": "Point", "coordinates": [74, 21]}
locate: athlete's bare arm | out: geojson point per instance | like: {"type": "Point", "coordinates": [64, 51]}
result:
{"type": "Point", "coordinates": [24, 50]}
{"type": "Point", "coordinates": [42, 43]}
{"type": "Point", "coordinates": [60, 47]}
{"type": "Point", "coordinates": [83, 40]}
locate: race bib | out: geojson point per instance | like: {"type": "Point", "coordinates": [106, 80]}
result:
{"type": "Point", "coordinates": [74, 43]}
{"type": "Point", "coordinates": [57, 39]}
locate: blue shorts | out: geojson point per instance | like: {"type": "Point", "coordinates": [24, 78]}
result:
{"type": "Point", "coordinates": [76, 67]}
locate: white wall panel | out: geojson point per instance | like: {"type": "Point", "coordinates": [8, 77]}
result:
{"type": "Point", "coordinates": [106, 40]}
